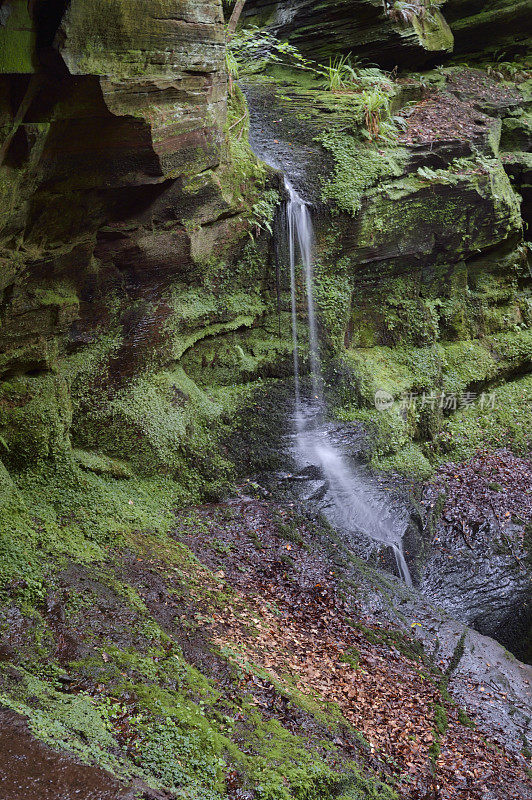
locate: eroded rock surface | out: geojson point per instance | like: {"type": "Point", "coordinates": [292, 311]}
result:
{"type": "Point", "coordinates": [127, 199]}
{"type": "Point", "coordinates": [31, 770]}
{"type": "Point", "coordinates": [365, 27]}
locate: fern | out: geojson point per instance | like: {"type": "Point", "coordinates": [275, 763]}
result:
{"type": "Point", "coordinates": [263, 211]}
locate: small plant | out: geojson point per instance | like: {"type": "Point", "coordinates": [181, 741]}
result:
{"type": "Point", "coordinates": [376, 106]}
{"type": "Point", "coordinates": [252, 49]}
{"type": "Point", "coordinates": [435, 176]}
{"type": "Point", "coordinates": [263, 211]}
{"type": "Point", "coordinates": [340, 74]}
{"type": "Point", "coordinates": [509, 70]}
{"type": "Point", "coordinates": [464, 719]}
{"type": "Point", "coordinates": [223, 548]}
{"type": "Point", "coordinates": [231, 65]}
{"type": "Point", "coordinates": [404, 11]}
{"type": "Point", "coordinates": [351, 657]}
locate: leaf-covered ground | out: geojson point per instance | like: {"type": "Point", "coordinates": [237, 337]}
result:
{"type": "Point", "coordinates": [308, 631]}
{"type": "Point", "coordinates": [492, 489]}
{"type": "Point", "coordinates": [450, 114]}
{"type": "Point", "coordinates": [239, 657]}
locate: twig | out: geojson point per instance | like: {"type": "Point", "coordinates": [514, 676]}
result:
{"type": "Point", "coordinates": [238, 120]}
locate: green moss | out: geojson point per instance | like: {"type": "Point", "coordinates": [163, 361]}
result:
{"type": "Point", "coordinates": [351, 657]}
{"type": "Point", "coordinates": [242, 171]}
{"type": "Point", "coordinates": [234, 359]}
{"type": "Point", "coordinates": [58, 511]}
{"type": "Point", "coordinates": [457, 655]}
{"type": "Point", "coordinates": [17, 39]}
{"type": "Point", "coordinates": [58, 296]}
{"type": "Point", "coordinates": [75, 723]}
{"type": "Point", "coordinates": [454, 302]}
{"type": "Point", "coordinates": [409, 461]}
{"type": "Point", "coordinates": [507, 424]}
{"type": "Point", "coordinates": [198, 313]}
{"type": "Point", "coordinates": [495, 14]}
{"type": "Point", "coordinates": [101, 36]}
{"type": "Point", "coordinates": [516, 130]}
{"type": "Point", "coordinates": [389, 430]}
{"type": "Point", "coordinates": [433, 31]}
{"type": "Point", "coordinates": [474, 413]}
{"type": "Point", "coordinates": [409, 646]}
{"type": "Point", "coordinates": [356, 169]}
{"type": "Point", "coordinates": [464, 719]}
{"type": "Point", "coordinates": [435, 750]}
{"type": "Point", "coordinates": [333, 298]}
{"type": "Point", "coordinates": [164, 423]}
{"type": "Point", "coordinates": [102, 465]}
{"type": "Point", "coordinates": [441, 723]}
{"type": "Point", "coordinates": [400, 217]}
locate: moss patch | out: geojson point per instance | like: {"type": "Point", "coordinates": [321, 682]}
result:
{"type": "Point", "coordinates": [357, 167]}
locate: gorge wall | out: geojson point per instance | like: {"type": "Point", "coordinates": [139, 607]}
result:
{"type": "Point", "coordinates": [240, 649]}
{"type": "Point", "coordinates": [135, 231]}
{"type": "Point", "coordinates": [128, 235]}
{"type": "Point", "coordinates": [143, 300]}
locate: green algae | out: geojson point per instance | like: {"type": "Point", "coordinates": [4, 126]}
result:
{"type": "Point", "coordinates": [433, 31]}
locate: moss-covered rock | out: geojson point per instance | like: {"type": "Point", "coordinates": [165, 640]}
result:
{"type": "Point", "coordinates": [133, 197]}
{"type": "Point", "coordinates": [35, 416]}
{"type": "Point", "coordinates": [422, 279]}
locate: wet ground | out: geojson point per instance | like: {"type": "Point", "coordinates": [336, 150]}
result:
{"type": "Point", "coordinates": [29, 770]}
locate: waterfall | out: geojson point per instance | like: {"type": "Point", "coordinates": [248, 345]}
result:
{"type": "Point", "coordinates": [291, 212]}
{"type": "Point", "coordinates": [353, 502]}
{"type": "Point", "coordinates": [300, 228]}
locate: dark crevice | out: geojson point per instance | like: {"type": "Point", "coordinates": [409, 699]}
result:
{"type": "Point", "coordinates": [48, 15]}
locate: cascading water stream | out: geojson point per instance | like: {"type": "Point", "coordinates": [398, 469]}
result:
{"type": "Point", "coordinates": [355, 504]}
{"type": "Point", "coordinates": [290, 213]}
{"type": "Point", "coordinates": [300, 229]}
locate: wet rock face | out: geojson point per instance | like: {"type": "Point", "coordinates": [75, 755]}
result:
{"type": "Point", "coordinates": [482, 586]}
{"type": "Point", "coordinates": [473, 556]}
{"type": "Point", "coordinates": [30, 769]}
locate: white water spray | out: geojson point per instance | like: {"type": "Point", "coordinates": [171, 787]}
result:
{"type": "Point", "coordinates": [355, 504]}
